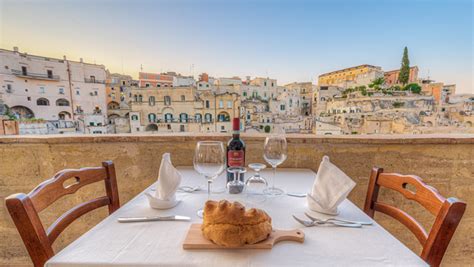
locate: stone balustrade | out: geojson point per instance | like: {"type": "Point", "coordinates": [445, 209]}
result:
{"type": "Point", "coordinates": [444, 161]}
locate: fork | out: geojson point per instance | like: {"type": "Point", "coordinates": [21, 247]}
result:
{"type": "Point", "coordinates": [316, 223]}
{"type": "Point", "coordinates": [336, 220]}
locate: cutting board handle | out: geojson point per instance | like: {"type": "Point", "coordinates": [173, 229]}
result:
{"type": "Point", "coordinates": [288, 235]}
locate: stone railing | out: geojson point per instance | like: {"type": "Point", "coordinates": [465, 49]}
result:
{"type": "Point", "coordinates": [444, 161]}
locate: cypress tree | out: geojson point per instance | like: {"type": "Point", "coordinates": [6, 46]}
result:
{"type": "Point", "coordinates": [404, 75]}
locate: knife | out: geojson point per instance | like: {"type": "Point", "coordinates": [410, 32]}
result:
{"type": "Point", "coordinates": [154, 218]}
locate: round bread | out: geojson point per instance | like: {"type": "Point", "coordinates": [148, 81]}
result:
{"type": "Point", "coordinates": [230, 225]}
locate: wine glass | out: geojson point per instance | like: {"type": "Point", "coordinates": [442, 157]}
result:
{"type": "Point", "coordinates": [275, 153]}
{"type": "Point", "coordinates": [209, 161]}
{"type": "Point", "coordinates": [256, 184]}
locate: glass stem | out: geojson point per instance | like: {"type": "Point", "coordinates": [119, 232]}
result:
{"type": "Point", "coordinates": [209, 182]}
{"type": "Point", "coordinates": [274, 175]}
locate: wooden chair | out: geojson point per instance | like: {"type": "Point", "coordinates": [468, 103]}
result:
{"type": "Point", "coordinates": [448, 212]}
{"type": "Point", "coordinates": [24, 208]}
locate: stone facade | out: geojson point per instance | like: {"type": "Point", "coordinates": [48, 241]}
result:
{"type": "Point", "coordinates": [445, 162]}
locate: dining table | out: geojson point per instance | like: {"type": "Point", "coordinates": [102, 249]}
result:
{"type": "Point", "coordinates": [160, 243]}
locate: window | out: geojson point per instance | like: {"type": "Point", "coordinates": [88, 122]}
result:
{"type": "Point", "coordinates": [77, 92]}
{"type": "Point", "coordinates": [183, 98]}
{"type": "Point", "coordinates": [41, 90]}
{"type": "Point", "coordinates": [42, 102]}
{"type": "Point", "coordinates": [151, 101]}
{"type": "Point", "coordinates": [96, 92]}
{"type": "Point", "coordinates": [62, 102]}
{"type": "Point", "coordinates": [151, 117]}
{"type": "Point", "coordinates": [50, 74]}
{"type": "Point", "coordinates": [229, 104]}
{"type": "Point", "coordinates": [207, 85]}
{"type": "Point", "coordinates": [61, 91]}
{"type": "Point", "coordinates": [265, 83]}
{"type": "Point", "coordinates": [282, 107]}
{"type": "Point", "coordinates": [169, 126]}
{"type": "Point", "coordinates": [9, 88]}
{"type": "Point", "coordinates": [167, 100]}
{"type": "Point", "coordinates": [28, 98]}
{"type": "Point", "coordinates": [134, 117]}
{"type": "Point", "coordinates": [168, 117]}
{"type": "Point", "coordinates": [245, 93]}
{"type": "Point", "coordinates": [92, 78]}
{"type": "Point", "coordinates": [147, 85]}
{"type": "Point", "coordinates": [24, 71]}
{"type": "Point", "coordinates": [183, 117]}
{"type": "Point", "coordinates": [207, 104]}
{"type": "Point", "coordinates": [208, 117]}
{"type": "Point", "coordinates": [158, 85]}
{"type": "Point", "coordinates": [140, 98]}
{"type": "Point", "coordinates": [181, 128]}
{"type": "Point", "coordinates": [221, 104]}
{"type": "Point", "coordinates": [291, 103]}
{"type": "Point", "coordinates": [198, 117]}
{"type": "Point", "coordinates": [272, 84]}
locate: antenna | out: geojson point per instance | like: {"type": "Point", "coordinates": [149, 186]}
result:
{"type": "Point", "coordinates": [141, 67]}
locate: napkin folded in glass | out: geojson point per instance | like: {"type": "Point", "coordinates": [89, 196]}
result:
{"type": "Point", "coordinates": [169, 179]}
{"type": "Point", "coordinates": [330, 188]}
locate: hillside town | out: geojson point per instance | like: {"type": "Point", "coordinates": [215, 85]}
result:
{"type": "Point", "coordinates": [43, 95]}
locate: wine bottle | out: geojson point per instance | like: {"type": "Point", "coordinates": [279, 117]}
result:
{"type": "Point", "coordinates": [235, 150]}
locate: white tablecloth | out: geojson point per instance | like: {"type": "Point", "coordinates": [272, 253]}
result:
{"type": "Point", "coordinates": [160, 243]}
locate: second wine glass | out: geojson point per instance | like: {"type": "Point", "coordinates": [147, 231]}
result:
{"type": "Point", "coordinates": [275, 153]}
{"type": "Point", "coordinates": [209, 161]}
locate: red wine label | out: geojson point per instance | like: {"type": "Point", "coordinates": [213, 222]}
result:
{"type": "Point", "coordinates": [235, 158]}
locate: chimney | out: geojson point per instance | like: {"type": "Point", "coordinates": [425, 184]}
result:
{"type": "Point", "coordinates": [81, 60]}
{"type": "Point", "coordinates": [15, 49]}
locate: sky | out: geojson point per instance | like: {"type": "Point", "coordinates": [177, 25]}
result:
{"type": "Point", "coordinates": [287, 40]}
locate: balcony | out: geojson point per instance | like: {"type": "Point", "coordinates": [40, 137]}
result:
{"type": "Point", "coordinates": [92, 80]}
{"type": "Point", "coordinates": [445, 161]}
{"type": "Point", "coordinates": [38, 76]}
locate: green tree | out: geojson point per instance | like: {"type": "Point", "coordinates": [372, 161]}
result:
{"type": "Point", "coordinates": [267, 128]}
{"type": "Point", "coordinates": [413, 87]}
{"type": "Point", "coordinates": [404, 75]}
{"type": "Point", "coordinates": [377, 84]}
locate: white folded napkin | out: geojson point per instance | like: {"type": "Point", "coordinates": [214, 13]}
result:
{"type": "Point", "coordinates": [330, 188]}
{"type": "Point", "coordinates": [169, 179]}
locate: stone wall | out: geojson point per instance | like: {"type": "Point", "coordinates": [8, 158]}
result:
{"type": "Point", "coordinates": [446, 162]}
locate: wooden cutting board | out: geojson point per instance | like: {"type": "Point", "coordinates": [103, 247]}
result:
{"type": "Point", "coordinates": [195, 240]}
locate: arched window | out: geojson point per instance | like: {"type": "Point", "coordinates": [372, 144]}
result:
{"type": "Point", "coordinates": [167, 100]}
{"type": "Point", "coordinates": [151, 101]}
{"type": "Point", "coordinates": [64, 115]}
{"type": "Point", "coordinates": [223, 116]}
{"type": "Point", "coordinates": [198, 117]}
{"type": "Point", "coordinates": [208, 117]}
{"type": "Point", "coordinates": [42, 102]}
{"type": "Point", "coordinates": [183, 117]}
{"type": "Point", "coordinates": [168, 117]}
{"type": "Point", "coordinates": [151, 117]}
{"type": "Point", "coordinates": [62, 102]}
{"type": "Point", "coordinates": [183, 98]}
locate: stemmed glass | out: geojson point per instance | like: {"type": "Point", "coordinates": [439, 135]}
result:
{"type": "Point", "coordinates": [275, 153]}
{"type": "Point", "coordinates": [209, 161]}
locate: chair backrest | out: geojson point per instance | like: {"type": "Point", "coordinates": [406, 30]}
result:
{"type": "Point", "coordinates": [24, 208]}
{"type": "Point", "coordinates": [448, 212]}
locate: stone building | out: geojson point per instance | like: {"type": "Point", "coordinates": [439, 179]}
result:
{"type": "Point", "coordinates": [347, 75]}
{"type": "Point", "coordinates": [182, 109]}
{"type": "Point", "coordinates": [147, 79]}
{"type": "Point", "coordinates": [51, 89]}
{"type": "Point", "coordinates": [391, 77]}
{"type": "Point", "coordinates": [119, 97]}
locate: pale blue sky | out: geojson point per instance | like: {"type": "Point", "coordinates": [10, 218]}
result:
{"type": "Point", "coordinates": [287, 40]}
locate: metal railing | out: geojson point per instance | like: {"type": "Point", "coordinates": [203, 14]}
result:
{"type": "Point", "coordinates": [33, 75]}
